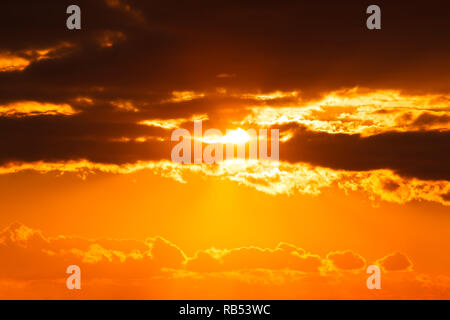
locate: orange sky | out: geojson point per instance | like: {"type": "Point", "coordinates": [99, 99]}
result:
{"type": "Point", "coordinates": [86, 176]}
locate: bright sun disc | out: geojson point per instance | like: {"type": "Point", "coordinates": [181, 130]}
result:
{"type": "Point", "coordinates": [236, 136]}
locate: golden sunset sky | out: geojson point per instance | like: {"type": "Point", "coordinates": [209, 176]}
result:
{"type": "Point", "coordinates": [86, 176]}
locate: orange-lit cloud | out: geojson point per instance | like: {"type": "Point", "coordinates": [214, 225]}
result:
{"type": "Point", "coordinates": [269, 177]}
{"type": "Point", "coordinates": [20, 60]}
{"type": "Point", "coordinates": [285, 256]}
{"type": "Point", "coordinates": [363, 176]}
{"type": "Point", "coordinates": [180, 96]}
{"type": "Point", "coordinates": [169, 124]}
{"type": "Point", "coordinates": [10, 62]}
{"type": "Point", "coordinates": [358, 111]}
{"type": "Point", "coordinates": [346, 260]}
{"type": "Point", "coordinates": [125, 105]}
{"type": "Point", "coordinates": [34, 265]}
{"type": "Point", "coordinates": [33, 108]}
{"type": "Point", "coordinates": [395, 262]}
{"type": "Point", "coordinates": [269, 96]}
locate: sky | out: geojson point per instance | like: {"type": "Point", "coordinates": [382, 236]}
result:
{"type": "Point", "coordinates": [87, 176]}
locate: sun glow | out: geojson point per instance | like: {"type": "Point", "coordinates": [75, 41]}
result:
{"type": "Point", "coordinates": [236, 136]}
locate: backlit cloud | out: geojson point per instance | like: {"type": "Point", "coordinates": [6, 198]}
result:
{"type": "Point", "coordinates": [396, 262]}
{"type": "Point", "coordinates": [34, 108]}
{"type": "Point", "coordinates": [357, 111]}
{"type": "Point", "coordinates": [268, 177]}
{"type": "Point", "coordinates": [346, 260]}
{"type": "Point", "coordinates": [34, 265]}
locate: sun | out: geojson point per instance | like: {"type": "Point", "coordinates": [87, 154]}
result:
{"type": "Point", "coordinates": [236, 136]}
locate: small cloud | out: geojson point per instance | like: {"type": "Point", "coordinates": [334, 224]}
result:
{"type": "Point", "coordinates": [34, 108]}
{"type": "Point", "coordinates": [346, 260]}
{"type": "Point", "coordinates": [395, 262]}
{"type": "Point", "coordinates": [284, 257]}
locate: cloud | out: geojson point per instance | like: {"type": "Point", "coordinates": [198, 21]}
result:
{"type": "Point", "coordinates": [266, 176]}
{"type": "Point", "coordinates": [346, 260]}
{"type": "Point", "coordinates": [106, 98]}
{"type": "Point", "coordinates": [355, 111]}
{"type": "Point", "coordinates": [33, 266]}
{"type": "Point", "coordinates": [103, 100]}
{"type": "Point", "coordinates": [285, 256]}
{"type": "Point", "coordinates": [138, 81]}
{"type": "Point", "coordinates": [409, 154]}
{"type": "Point", "coordinates": [33, 108]}
{"type": "Point", "coordinates": [186, 50]}
{"type": "Point", "coordinates": [111, 131]}
{"type": "Point", "coordinates": [27, 254]}
{"type": "Point", "coordinates": [20, 60]}
{"type": "Point", "coordinates": [395, 262]}
{"type": "Point", "coordinates": [10, 62]}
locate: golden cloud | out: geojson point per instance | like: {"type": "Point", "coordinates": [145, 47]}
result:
{"type": "Point", "coordinates": [169, 124]}
{"type": "Point", "coordinates": [270, 177]}
{"type": "Point", "coordinates": [33, 266]}
{"type": "Point", "coordinates": [180, 96]}
{"type": "Point", "coordinates": [11, 62]}
{"type": "Point", "coordinates": [346, 260]}
{"type": "Point", "coordinates": [20, 60]}
{"type": "Point", "coordinates": [33, 108]}
{"type": "Point", "coordinates": [359, 111]}
{"type": "Point", "coordinates": [395, 262]}
{"type": "Point", "coordinates": [285, 256]}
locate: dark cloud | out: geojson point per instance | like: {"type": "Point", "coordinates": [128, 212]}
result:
{"type": "Point", "coordinates": [346, 260]}
{"type": "Point", "coordinates": [396, 262]}
{"type": "Point", "coordinates": [314, 46]}
{"type": "Point", "coordinates": [53, 138]}
{"type": "Point", "coordinates": [424, 155]}
{"type": "Point", "coordinates": [59, 138]}
{"type": "Point", "coordinates": [165, 46]}
{"type": "Point", "coordinates": [430, 119]}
